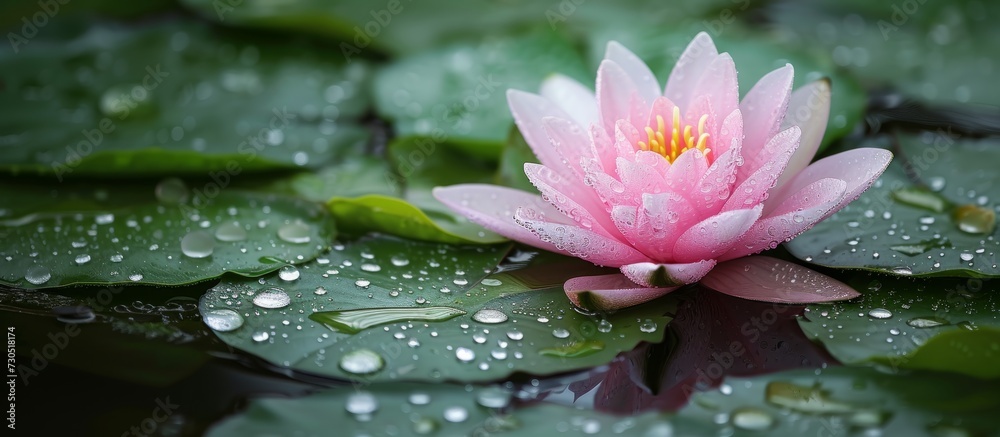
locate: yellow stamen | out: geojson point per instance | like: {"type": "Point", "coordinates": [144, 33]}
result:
{"type": "Point", "coordinates": [681, 137]}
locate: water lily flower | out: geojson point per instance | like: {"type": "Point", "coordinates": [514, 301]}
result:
{"type": "Point", "coordinates": [675, 186]}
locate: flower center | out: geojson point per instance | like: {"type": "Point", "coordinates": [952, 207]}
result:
{"type": "Point", "coordinates": [680, 138]}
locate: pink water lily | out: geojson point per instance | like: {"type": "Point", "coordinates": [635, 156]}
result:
{"type": "Point", "coordinates": [675, 186]}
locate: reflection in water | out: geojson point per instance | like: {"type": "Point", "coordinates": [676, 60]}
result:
{"type": "Point", "coordinates": [713, 335]}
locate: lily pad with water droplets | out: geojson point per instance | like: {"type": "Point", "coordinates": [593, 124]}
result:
{"type": "Point", "coordinates": [886, 232]}
{"type": "Point", "coordinates": [60, 235]}
{"type": "Point", "coordinates": [409, 409]}
{"type": "Point", "coordinates": [175, 98]}
{"type": "Point", "coordinates": [382, 309]}
{"type": "Point", "coordinates": [457, 94]}
{"type": "Point", "coordinates": [938, 324]}
{"type": "Point", "coordinates": [837, 402]}
{"type": "Point", "coordinates": [416, 166]}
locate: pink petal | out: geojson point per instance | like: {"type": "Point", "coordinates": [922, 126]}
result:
{"type": "Point", "coordinates": [763, 109]}
{"type": "Point", "coordinates": [640, 178]}
{"type": "Point", "coordinates": [858, 167]}
{"type": "Point", "coordinates": [715, 235]}
{"type": "Point", "coordinates": [687, 169]}
{"type": "Point", "coordinates": [570, 142]}
{"type": "Point", "coordinates": [572, 97]}
{"type": "Point", "coordinates": [773, 280]}
{"type": "Point", "coordinates": [572, 199]}
{"type": "Point", "coordinates": [718, 83]}
{"type": "Point", "coordinates": [753, 189]}
{"type": "Point", "coordinates": [729, 135]}
{"type": "Point", "coordinates": [790, 218]}
{"type": "Point", "coordinates": [626, 136]}
{"type": "Point", "coordinates": [667, 275]}
{"type": "Point", "coordinates": [610, 190]}
{"type": "Point", "coordinates": [716, 185]}
{"type": "Point", "coordinates": [603, 148]}
{"type": "Point", "coordinates": [809, 109]}
{"type": "Point", "coordinates": [493, 208]}
{"type": "Point", "coordinates": [609, 292]}
{"type": "Point", "coordinates": [645, 82]}
{"type": "Point", "coordinates": [529, 110]}
{"type": "Point", "coordinates": [616, 95]}
{"type": "Point", "coordinates": [579, 242]}
{"type": "Point", "coordinates": [687, 72]}
{"type": "Point", "coordinates": [654, 227]}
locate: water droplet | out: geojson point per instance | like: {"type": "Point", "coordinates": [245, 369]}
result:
{"type": "Point", "coordinates": [560, 333]}
{"type": "Point", "coordinates": [493, 397]}
{"type": "Point", "coordinates": [368, 267]}
{"type": "Point", "coordinates": [272, 298]}
{"type": "Point", "coordinates": [82, 259]}
{"type": "Point", "coordinates": [973, 219]}
{"type": "Point", "coordinates": [361, 403]}
{"type": "Point", "coordinates": [135, 277]}
{"type": "Point", "coordinates": [319, 291]}
{"type": "Point", "coordinates": [927, 322]}
{"type": "Point", "coordinates": [456, 414]}
{"type": "Point", "coordinates": [296, 232]}
{"type": "Point", "coordinates": [231, 231]}
{"type": "Point", "coordinates": [117, 258]}
{"type": "Point", "coordinates": [574, 349]}
{"type": "Point", "coordinates": [354, 321]}
{"type": "Point", "coordinates": [490, 282]}
{"type": "Point", "coordinates": [104, 219]}
{"type": "Point", "coordinates": [288, 273]}
{"type": "Point", "coordinates": [965, 256]}
{"type": "Point", "coordinates": [604, 326]}
{"type": "Point", "coordinates": [399, 261]}
{"type": "Point", "coordinates": [223, 320]}
{"type": "Point", "coordinates": [362, 362]}
{"type": "Point", "coordinates": [489, 316]}
{"type": "Point", "coordinates": [648, 326]}
{"type": "Point", "coordinates": [37, 275]}
{"type": "Point", "coordinates": [363, 283]}
{"type": "Point", "coordinates": [419, 398]}
{"type": "Point", "coordinates": [515, 335]}
{"type": "Point", "coordinates": [260, 336]}
{"type": "Point", "coordinates": [752, 419]}
{"type": "Point", "coordinates": [464, 354]}
{"type": "Point", "coordinates": [171, 191]}
{"type": "Point", "coordinates": [879, 313]}
{"type": "Point", "coordinates": [197, 244]}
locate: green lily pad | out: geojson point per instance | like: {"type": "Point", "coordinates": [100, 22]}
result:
{"type": "Point", "coordinates": [397, 217]}
{"type": "Point", "coordinates": [837, 402]}
{"type": "Point", "coordinates": [140, 234]}
{"type": "Point", "coordinates": [755, 55]}
{"type": "Point", "coordinates": [381, 309]}
{"type": "Point", "coordinates": [457, 94]}
{"type": "Point", "coordinates": [939, 324]}
{"type": "Point", "coordinates": [842, 401]}
{"type": "Point", "coordinates": [400, 27]}
{"type": "Point", "coordinates": [932, 51]}
{"type": "Point", "coordinates": [886, 231]}
{"type": "Point", "coordinates": [420, 409]}
{"type": "Point", "coordinates": [172, 99]}
{"type": "Point", "coordinates": [417, 166]}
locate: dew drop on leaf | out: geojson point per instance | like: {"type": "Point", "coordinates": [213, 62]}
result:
{"type": "Point", "coordinates": [362, 362]}
{"type": "Point", "coordinates": [223, 320]}
{"type": "Point", "coordinates": [272, 298]}
{"type": "Point", "coordinates": [197, 244]}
